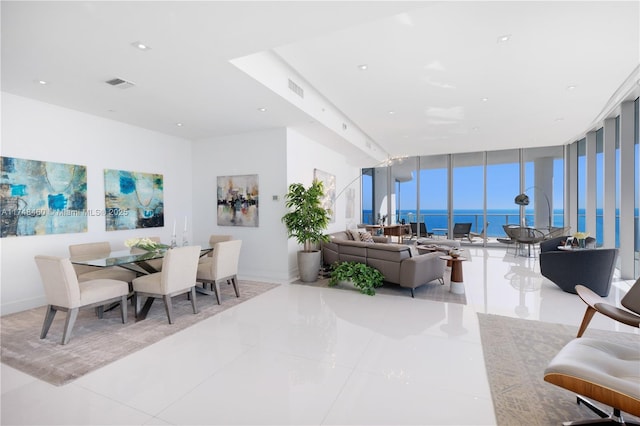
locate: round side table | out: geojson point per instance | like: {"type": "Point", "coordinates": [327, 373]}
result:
{"type": "Point", "coordinates": [456, 273]}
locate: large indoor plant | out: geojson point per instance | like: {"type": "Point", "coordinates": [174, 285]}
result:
{"type": "Point", "coordinates": [306, 221]}
{"type": "Point", "coordinates": [360, 275]}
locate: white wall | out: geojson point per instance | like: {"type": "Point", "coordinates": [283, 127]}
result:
{"type": "Point", "coordinates": [262, 153]}
{"type": "Point", "coordinates": [39, 131]}
{"type": "Point", "coordinates": [279, 157]}
{"type": "Point", "coordinates": [303, 156]}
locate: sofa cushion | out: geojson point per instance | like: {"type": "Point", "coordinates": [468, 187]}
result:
{"type": "Point", "coordinates": [366, 237]}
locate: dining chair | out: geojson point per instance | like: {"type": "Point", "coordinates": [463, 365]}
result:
{"type": "Point", "coordinates": [95, 251]}
{"type": "Point", "coordinates": [65, 293]}
{"type": "Point", "coordinates": [213, 240]}
{"type": "Point", "coordinates": [178, 276]}
{"type": "Point", "coordinates": [223, 267]}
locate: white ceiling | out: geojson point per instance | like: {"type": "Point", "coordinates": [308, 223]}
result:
{"type": "Point", "coordinates": [431, 63]}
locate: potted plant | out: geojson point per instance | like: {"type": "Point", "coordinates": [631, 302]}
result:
{"type": "Point", "coordinates": [306, 222]}
{"type": "Point", "coordinates": [362, 276]}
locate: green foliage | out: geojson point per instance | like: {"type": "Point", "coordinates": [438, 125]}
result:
{"type": "Point", "coordinates": [307, 219]}
{"type": "Point", "coordinates": [363, 277]}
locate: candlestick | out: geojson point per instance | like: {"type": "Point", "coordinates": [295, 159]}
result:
{"type": "Point", "coordinates": [185, 224]}
{"type": "Point", "coordinates": [174, 227]}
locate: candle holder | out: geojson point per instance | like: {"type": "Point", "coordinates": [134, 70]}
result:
{"type": "Point", "coordinates": [185, 241]}
{"type": "Point", "coordinates": [174, 242]}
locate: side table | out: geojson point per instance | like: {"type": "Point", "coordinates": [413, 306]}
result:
{"type": "Point", "coordinates": [456, 273]}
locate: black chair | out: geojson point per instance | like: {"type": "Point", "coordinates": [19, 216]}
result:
{"type": "Point", "coordinates": [423, 230]}
{"type": "Point", "coordinates": [592, 268]}
{"type": "Point", "coordinates": [462, 231]}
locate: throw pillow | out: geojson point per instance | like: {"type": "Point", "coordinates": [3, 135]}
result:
{"type": "Point", "coordinates": [354, 234]}
{"type": "Point", "coordinates": [366, 237]}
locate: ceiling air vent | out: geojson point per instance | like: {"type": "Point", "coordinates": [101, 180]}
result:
{"type": "Point", "coordinates": [296, 89]}
{"type": "Point", "coordinates": [120, 83]}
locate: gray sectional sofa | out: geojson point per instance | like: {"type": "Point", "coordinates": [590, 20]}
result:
{"type": "Point", "coordinates": [395, 261]}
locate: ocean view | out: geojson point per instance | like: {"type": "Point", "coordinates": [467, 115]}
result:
{"type": "Point", "coordinates": [437, 219]}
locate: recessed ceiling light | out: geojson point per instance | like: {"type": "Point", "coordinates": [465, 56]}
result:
{"type": "Point", "coordinates": [391, 112]}
{"type": "Point", "coordinates": [363, 67]}
{"type": "Point", "coordinates": [140, 45]}
{"type": "Point", "coordinates": [41, 82]}
{"type": "Point", "coordinates": [262, 109]}
{"type": "Point", "coordinates": [504, 38]}
{"type": "Point", "coordinates": [485, 99]}
{"type": "Point", "coordinates": [179, 124]}
{"type": "Point", "coordinates": [475, 129]}
{"type": "Point", "coordinates": [559, 119]}
{"type": "Point", "coordinates": [571, 87]}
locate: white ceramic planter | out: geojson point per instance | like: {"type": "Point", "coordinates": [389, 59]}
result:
{"type": "Point", "coordinates": [309, 265]}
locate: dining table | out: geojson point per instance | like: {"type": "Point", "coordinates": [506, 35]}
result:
{"type": "Point", "coordinates": [134, 260]}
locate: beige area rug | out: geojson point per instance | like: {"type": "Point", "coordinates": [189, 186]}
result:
{"type": "Point", "coordinates": [516, 353]}
{"type": "Point", "coordinates": [97, 342]}
{"type": "Point", "coordinates": [431, 291]}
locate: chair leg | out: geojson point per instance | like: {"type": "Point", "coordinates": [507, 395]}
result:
{"type": "Point", "coordinates": [215, 286]}
{"type": "Point", "coordinates": [412, 295]}
{"type": "Point", "coordinates": [234, 281]}
{"type": "Point", "coordinates": [588, 314]}
{"type": "Point", "coordinates": [193, 300]}
{"type": "Point", "coordinates": [72, 314]}
{"type": "Point", "coordinates": [48, 319]}
{"type": "Point", "coordinates": [123, 309]}
{"type": "Point", "coordinates": [168, 306]}
{"type": "Point", "coordinates": [100, 311]}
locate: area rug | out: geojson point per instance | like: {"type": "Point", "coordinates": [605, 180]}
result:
{"type": "Point", "coordinates": [97, 342]}
{"type": "Point", "coordinates": [516, 353]}
{"type": "Point", "coordinates": [431, 291]}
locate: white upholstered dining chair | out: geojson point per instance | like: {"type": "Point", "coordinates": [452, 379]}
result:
{"type": "Point", "coordinates": [65, 293]}
{"type": "Point", "coordinates": [213, 240]}
{"type": "Point", "coordinates": [178, 276]}
{"type": "Point", "coordinates": [222, 266]}
{"type": "Point", "coordinates": [96, 251]}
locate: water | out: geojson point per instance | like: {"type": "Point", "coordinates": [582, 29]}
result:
{"type": "Point", "coordinates": [438, 219]}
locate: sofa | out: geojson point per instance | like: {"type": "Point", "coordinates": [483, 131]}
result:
{"type": "Point", "coordinates": [395, 261]}
{"type": "Point", "coordinates": [593, 268]}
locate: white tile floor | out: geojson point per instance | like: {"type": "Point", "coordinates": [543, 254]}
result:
{"type": "Point", "coordinates": [305, 355]}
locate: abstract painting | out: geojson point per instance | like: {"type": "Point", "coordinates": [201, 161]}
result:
{"type": "Point", "coordinates": [41, 197]}
{"type": "Point", "coordinates": [133, 200]}
{"type": "Point", "coordinates": [238, 200]}
{"type": "Point", "coordinates": [329, 185]}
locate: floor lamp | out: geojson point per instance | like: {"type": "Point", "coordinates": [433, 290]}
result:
{"type": "Point", "coordinates": [523, 200]}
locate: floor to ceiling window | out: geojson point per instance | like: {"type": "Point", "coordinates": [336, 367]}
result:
{"type": "Point", "coordinates": [434, 192]}
{"type": "Point", "coordinates": [480, 187]}
{"type": "Point", "coordinates": [618, 181]}
{"type": "Point", "coordinates": [637, 182]}
{"type": "Point", "coordinates": [503, 184]}
{"type": "Point", "coordinates": [582, 185]}
{"type": "Point", "coordinates": [468, 190]}
{"type": "Point", "coordinates": [367, 195]}
{"type": "Point", "coordinates": [599, 186]}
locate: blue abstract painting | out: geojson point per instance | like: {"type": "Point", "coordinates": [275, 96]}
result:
{"type": "Point", "coordinates": [42, 197]}
{"type": "Point", "coordinates": [133, 200]}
